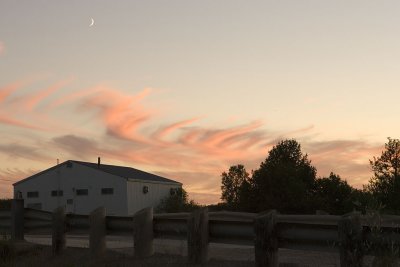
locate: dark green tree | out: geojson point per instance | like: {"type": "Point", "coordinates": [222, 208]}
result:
{"type": "Point", "coordinates": [285, 180]}
{"type": "Point", "coordinates": [235, 186]}
{"type": "Point", "coordinates": [333, 195]}
{"type": "Point", "coordinates": [385, 184]}
{"type": "Point", "coordinates": [5, 204]}
{"type": "Point", "coordinates": [363, 200]}
{"type": "Point", "coordinates": [177, 201]}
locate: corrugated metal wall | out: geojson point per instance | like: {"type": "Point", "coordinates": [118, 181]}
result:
{"type": "Point", "coordinates": [69, 179]}
{"type": "Point", "coordinates": [137, 199]}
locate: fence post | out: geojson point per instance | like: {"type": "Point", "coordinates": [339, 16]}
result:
{"type": "Point", "coordinates": [97, 234]}
{"type": "Point", "coordinates": [17, 219]}
{"type": "Point", "coordinates": [59, 229]}
{"type": "Point", "coordinates": [198, 236]}
{"type": "Point", "coordinates": [266, 242]}
{"type": "Point", "coordinates": [351, 240]}
{"type": "Point", "coordinates": [143, 233]}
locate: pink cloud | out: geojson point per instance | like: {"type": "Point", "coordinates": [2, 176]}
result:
{"type": "Point", "coordinates": [2, 48]}
{"type": "Point", "coordinates": [17, 151]}
{"type": "Point", "coordinates": [18, 123]}
{"type": "Point", "coordinates": [32, 101]}
{"type": "Point", "coordinates": [8, 89]}
{"type": "Point", "coordinates": [75, 96]}
{"type": "Point", "coordinates": [348, 158]}
{"type": "Point", "coordinates": [164, 131]}
{"type": "Point", "coordinates": [8, 176]}
{"type": "Point", "coordinates": [126, 133]}
{"type": "Point", "coordinates": [122, 114]}
{"type": "Point", "coordinates": [227, 137]}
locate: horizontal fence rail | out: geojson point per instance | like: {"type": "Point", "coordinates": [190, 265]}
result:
{"type": "Point", "coordinates": [37, 221]}
{"type": "Point", "coordinates": [5, 221]}
{"type": "Point", "coordinates": [266, 231]}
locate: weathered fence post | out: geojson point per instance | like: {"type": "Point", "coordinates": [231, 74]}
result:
{"type": "Point", "coordinates": [97, 235]}
{"type": "Point", "coordinates": [59, 229]}
{"type": "Point", "coordinates": [17, 219]}
{"type": "Point", "coordinates": [197, 238]}
{"type": "Point", "coordinates": [143, 233]}
{"type": "Point", "coordinates": [351, 240]}
{"type": "Point", "coordinates": [266, 242]}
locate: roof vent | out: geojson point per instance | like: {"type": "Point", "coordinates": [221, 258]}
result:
{"type": "Point", "coordinates": [98, 162]}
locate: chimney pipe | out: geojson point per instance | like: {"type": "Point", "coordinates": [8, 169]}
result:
{"type": "Point", "coordinates": [98, 162]}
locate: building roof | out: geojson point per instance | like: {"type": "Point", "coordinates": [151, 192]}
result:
{"type": "Point", "coordinates": [121, 171]}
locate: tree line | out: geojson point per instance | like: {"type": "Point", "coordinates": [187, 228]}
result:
{"type": "Point", "coordinates": [287, 182]}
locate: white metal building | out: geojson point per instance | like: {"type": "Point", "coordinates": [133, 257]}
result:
{"type": "Point", "coordinates": [82, 187]}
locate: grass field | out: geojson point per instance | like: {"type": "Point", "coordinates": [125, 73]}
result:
{"type": "Point", "coordinates": [32, 255]}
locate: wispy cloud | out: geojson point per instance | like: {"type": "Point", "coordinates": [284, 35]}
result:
{"type": "Point", "coordinates": [18, 151]}
{"type": "Point", "coordinates": [2, 48]}
{"type": "Point", "coordinates": [123, 129]}
{"type": "Point", "coordinates": [121, 114]}
{"type": "Point", "coordinates": [8, 176]}
{"type": "Point", "coordinates": [7, 90]}
{"type": "Point", "coordinates": [349, 158]}
{"type": "Point", "coordinates": [165, 130]}
{"type": "Point", "coordinates": [79, 147]}
{"type": "Point", "coordinates": [32, 101]}
{"type": "Point", "coordinates": [18, 123]}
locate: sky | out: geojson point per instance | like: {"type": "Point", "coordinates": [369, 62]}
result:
{"type": "Point", "coordinates": [185, 89]}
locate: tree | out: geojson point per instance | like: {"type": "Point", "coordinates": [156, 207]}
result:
{"type": "Point", "coordinates": [5, 203]}
{"type": "Point", "coordinates": [285, 180]}
{"type": "Point", "coordinates": [177, 201]}
{"type": "Point", "coordinates": [385, 184]}
{"type": "Point", "coordinates": [235, 185]}
{"type": "Point", "coordinates": [333, 195]}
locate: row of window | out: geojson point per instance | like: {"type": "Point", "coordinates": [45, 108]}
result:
{"type": "Point", "coordinates": [78, 192]}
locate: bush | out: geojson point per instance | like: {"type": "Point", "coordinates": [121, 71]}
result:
{"type": "Point", "coordinates": [177, 201]}
{"type": "Point", "coordinates": [5, 204]}
{"type": "Point", "coordinates": [7, 250]}
{"type": "Point", "coordinates": [385, 249]}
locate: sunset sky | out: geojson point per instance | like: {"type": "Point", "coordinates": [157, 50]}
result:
{"type": "Point", "coordinates": [186, 89]}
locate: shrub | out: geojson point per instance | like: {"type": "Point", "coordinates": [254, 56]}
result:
{"type": "Point", "coordinates": [177, 201]}
{"type": "Point", "coordinates": [5, 204]}
{"type": "Point", "coordinates": [7, 250]}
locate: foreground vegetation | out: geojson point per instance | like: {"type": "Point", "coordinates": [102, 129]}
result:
{"type": "Point", "coordinates": [5, 204]}
{"type": "Point", "coordinates": [32, 255]}
{"type": "Point", "coordinates": [287, 181]}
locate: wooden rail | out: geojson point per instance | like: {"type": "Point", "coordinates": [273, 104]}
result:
{"type": "Point", "coordinates": [350, 234]}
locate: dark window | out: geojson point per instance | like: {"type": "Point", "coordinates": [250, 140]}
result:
{"type": "Point", "coordinates": [82, 192]}
{"type": "Point", "coordinates": [145, 189]}
{"type": "Point", "coordinates": [36, 206]}
{"type": "Point", "coordinates": [32, 194]}
{"type": "Point", "coordinates": [70, 201]}
{"type": "Point", "coordinates": [107, 191]}
{"type": "Point", "coordinates": [54, 193]}
{"type": "Point", "coordinates": [172, 191]}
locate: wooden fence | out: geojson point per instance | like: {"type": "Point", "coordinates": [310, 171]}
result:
{"type": "Point", "coordinates": [352, 235]}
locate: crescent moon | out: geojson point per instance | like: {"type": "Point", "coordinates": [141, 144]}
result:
{"type": "Point", "coordinates": [92, 22]}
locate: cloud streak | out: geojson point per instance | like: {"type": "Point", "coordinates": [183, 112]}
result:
{"type": "Point", "coordinates": [121, 114]}
{"type": "Point", "coordinates": [18, 151]}
{"type": "Point", "coordinates": [8, 176]}
{"type": "Point", "coordinates": [104, 121]}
